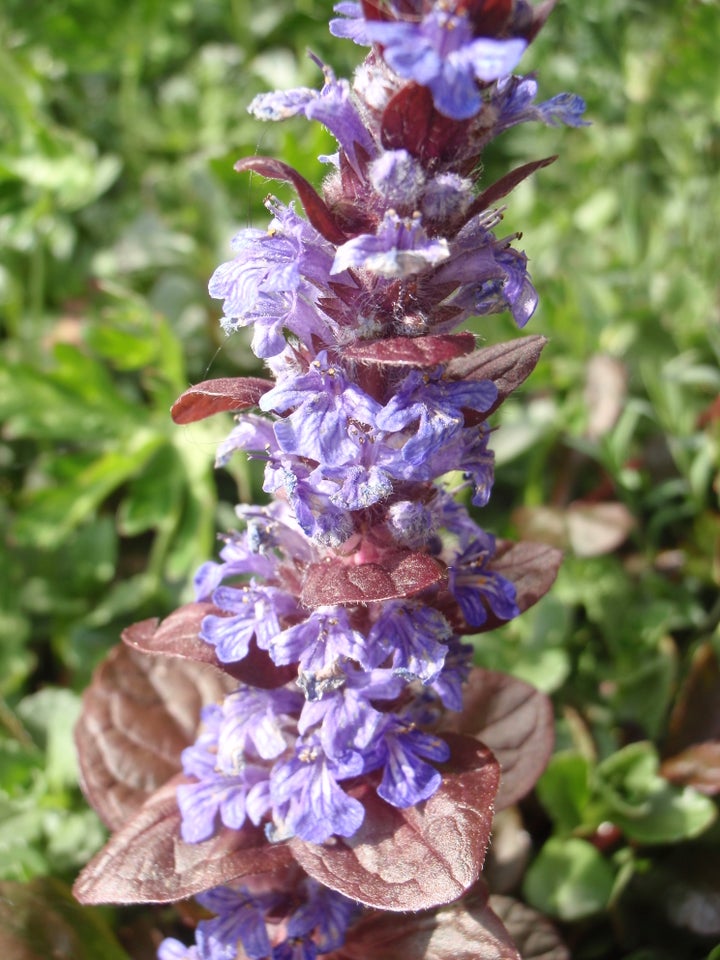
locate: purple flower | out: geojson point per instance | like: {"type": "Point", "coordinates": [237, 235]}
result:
{"type": "Point", "coordinates": [252, 433]}
{"type": "Point", "coordinates": [407, 779]}
{"type": "Point", "coordinates": [307, 800]}
{"type": "Point", "coordinates": [270, 283]}
{"type": "Point", "coordinates": [343, 717]}
{"type": "Point", "coordinates": [398, 179]}
{"type": "Point", "coordinates": [308, 493]}
{"type": "Point", "coordinates": [514, 292]}
{"type": "Point", "coordinates": [467, 451]}
{"type": "Point", "coordinates": [446, 196]}
{"type": "Point", "coordinates": [333, 107]}
{"type": "Point", "coordinates": [490, 275]}
{"type": "Point", "coordinates": [456, 669]}
{"type": "Point", "coordinates": [259, 723]}
{"type": "Point", "coordinates": [415, 636]}
{"type": "Point", "coordinates": [240, 920]}
{"type": "Point", "coordinates": [411, 523]}
{"type": "Point", "coordinates": [217, 795]}
{"type": "Point", "coordinates": [354, 443]}
{"type": "Point", "coordinates": [441, 53]}
{"type": "Point", "coordinates": [238, 559]}
{"type": "Point", "coordinates": [400, 248]}
{"type": "Point", "coordinates": [474, 585]}
{"type": "Point", "coordinates": [273, 529]}
{"type": "Point", "coordinates": [435, 405]}
{"type": "Point", "coordinates": [319, 642]}
{"type": "Point", "coordinates": [325, 915]}
{"type": "Point", "coordinates": [452, 516]}
{"type": "Point", "coordinates": [351, 24]}
{"type": "Point", "coordinates": [227, 760]}
{"type": "Point", "coordinates": [323, 402]}
{"type": "Point", "coordinates": [257, 611]}
{"type": "Point", "coordinates": [172, 949]}
{"type": "Point", "coordinates": [360, 486]}
{"type": "Point", "coordinates": [513, 102]}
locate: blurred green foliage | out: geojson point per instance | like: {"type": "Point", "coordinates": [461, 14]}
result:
{"type": "Point", "coordinates": [119, 125]}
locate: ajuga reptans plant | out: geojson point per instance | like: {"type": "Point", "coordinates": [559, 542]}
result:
{"type": "Point", "coordinates": [308, 747]}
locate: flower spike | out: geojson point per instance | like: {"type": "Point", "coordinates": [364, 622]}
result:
{"type": "Point", "coordinates": [325, 741]}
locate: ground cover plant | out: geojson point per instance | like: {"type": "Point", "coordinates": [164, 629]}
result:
{"type": "Point", "coordinates": [111, 163]}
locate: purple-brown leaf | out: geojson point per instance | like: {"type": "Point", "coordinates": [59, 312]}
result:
{"type": "Point", "coordinates": [595, 529]}
{"type": "Point", "coordinates": [535, 937]}
{"type": "Point", "coordinates": [532, 567]}
{"type": "Point", "coordinates": [411, 351]}
{"type": "Point", "coordinates": [507, 364]}
{"type": "Point", "coordinates": [138, 714]}
{"type": "Point", "coordinates": [605, 394]}
{"type": "Point", "coordinates": [179, 636]}
{"type": "Point", "coordinates": [502, 187]}
{"type": "Point", "coordinates": [696, 715]}
{"type": "Point", "coordinates": [411, 122]}
{"type": "Point", "coordinates": [490, 18]}
{"type": "Point", "coordinates": [218, 396]}
{"type": "Point", "coordinates": [147, 862]}
{"type": "Point", "coordinates": [467, 930]}
{"type": "Point", "coordinates": [315, 207]}
{"type": "Point", "coordinates": [400, 574]}
{"type": "Point", "coordinates": [512, 718]}
{"type": "Point", "coordinates": [588, 529]}
{"type": "Point", "coordinates": [417, 858]}
{"type": "Point", "coordinates": [697, 766]}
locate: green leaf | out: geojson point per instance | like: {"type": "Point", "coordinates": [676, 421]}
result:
{"type": "Point", "coordinates": [50, 716]}
{"type": "Point", "coordinates": [153, 496]}
{"type": "Point", "coordinates": [73, 838]}
{"type": "Point", "coordinates": [16, 660]}
{"type": "Point", "coordinates": [18, 763]}
{"type": "Point", "coordinates": [673, 814]}
{"type": "Point", "coordinates": [51, 514]}
{"type": "Point", "coordinates": [564, 790]}
{"type": "Point", "coordinates": [21, 831]}
{"type": "Point", "coordinates": [34, 404]}
{"type": "Point", "coordinates": [569, 880]}
{"type": "Point", "coordinates": [626, 779]}
{"type": "Point", "coordinates": [643, 804]}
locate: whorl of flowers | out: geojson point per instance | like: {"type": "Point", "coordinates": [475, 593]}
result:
{"type": "Point", "coordinates": [335, 618]}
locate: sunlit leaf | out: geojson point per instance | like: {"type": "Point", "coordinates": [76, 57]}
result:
{"type": "Point", "coordinates": [564, 789]}
{"type": "Point", "coordinates": [467, 930]}
{"type": "Point", "coordinates": [507, 364]}
{"type": "Point", "coordinates": [419, 857]}
{"type": "Point", "coordinates": [138, 714]}
{"type": "Point", "coordinates": [569, 879]}
{"type": "Point", "coordinates": [643, 804]}
{"type": "Point", "coordinates": [401, 574]}
{"type": "Point", "coordinates": [215, 396]}
{"type": "Point", "coordinates": [411, 351]}
{"type": "Point", "coordinates": [147, 862]}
